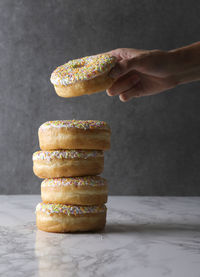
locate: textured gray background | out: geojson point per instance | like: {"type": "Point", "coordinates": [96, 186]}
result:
{"type": "Point", "coordinates": [155, 140]}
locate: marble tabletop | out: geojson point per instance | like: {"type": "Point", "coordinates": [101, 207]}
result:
{"type": "Point", "coordinates": [144, 236]}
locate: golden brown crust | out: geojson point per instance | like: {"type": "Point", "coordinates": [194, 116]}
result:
{"type": "Point", "coordinates": [61, 223]}
{"type": "Point", "coordinates": [72, 195]}
{"type": "Point", "coordinates": [97, 84]}
{"type": "Point", "coordinates": [56, 168]}
{"type": "Point", "coordinates": [73, 138]}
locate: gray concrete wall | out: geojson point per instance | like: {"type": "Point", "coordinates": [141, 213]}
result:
{"type": "Point", "coordinates": [155, 140]}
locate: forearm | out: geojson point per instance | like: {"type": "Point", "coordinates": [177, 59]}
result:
{"type": "Point", "coordinates": [187, 63]}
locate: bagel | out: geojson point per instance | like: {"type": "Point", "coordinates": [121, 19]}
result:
{"type": "Point", "coordinates": [83, 76]}
{"type": "Point", "coordinates": [67, 218]}
{"type": "Point", "coordinates": [88, 190]}
{"type": "Point", "coordinates": [67, 163]}
{"type": "Point", "coordinates": [74, 134]}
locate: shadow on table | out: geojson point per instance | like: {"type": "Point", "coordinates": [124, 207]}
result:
{"type": "Point", "coordinates": [150, 227]}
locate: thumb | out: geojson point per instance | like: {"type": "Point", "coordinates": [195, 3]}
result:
{"type": "Point", "coordinates": [122, 67]}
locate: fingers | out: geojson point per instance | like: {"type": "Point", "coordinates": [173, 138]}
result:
{"type": "Point", "coordinates": [127, 87]}
{"type": "Point", "coordinates": [124, 83]}
{"type": "Point", "coordinates": [134, 92]}
{"type": "Point", "coordinates": [124, 66]}
{"type": "Point", "coordinates": [120, 53]}
{"type": "Point", "coordinates": [121, 68]}
{"type": "Point", "coordinates": [117, 53]}
{"type": "Point", "coordinates": [125, 53]}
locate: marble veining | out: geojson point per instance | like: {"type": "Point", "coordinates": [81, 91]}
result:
{"type": "Point", "coordinates": [144, 236]}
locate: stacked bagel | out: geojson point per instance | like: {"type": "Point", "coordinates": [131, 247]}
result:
{"type": "Point", "coordinates": [71, 157]}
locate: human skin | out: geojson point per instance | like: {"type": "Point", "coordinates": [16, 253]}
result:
{"type": "Point", "coordinates": [146, 72]}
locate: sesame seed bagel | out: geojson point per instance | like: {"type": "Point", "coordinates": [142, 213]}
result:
{"type": "Point", "coordinates": [89, 190]}
{"type": "Point", "coordinates": [83, 76]}
{"type": "Point", "coordinates": [67, 163]}
{"type": "Point", "coordinates": [66, 218]}
{"type": "Point", "coordinates": [74, 134]}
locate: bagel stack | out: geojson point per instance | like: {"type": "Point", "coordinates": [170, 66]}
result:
{"type": "Point", "coordinates": [71, 157]}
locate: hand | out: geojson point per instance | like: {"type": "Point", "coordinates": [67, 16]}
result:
{"type": "Point", "coordinates": [141, 72]}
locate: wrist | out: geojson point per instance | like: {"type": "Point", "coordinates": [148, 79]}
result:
{"type": "Point", "coordinates": [185, 63]}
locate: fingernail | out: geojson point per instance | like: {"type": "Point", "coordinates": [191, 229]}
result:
{"type": "Point", "coordinates": [123, 98]}
{"type": "Point", "coordinates": [110, 93]}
